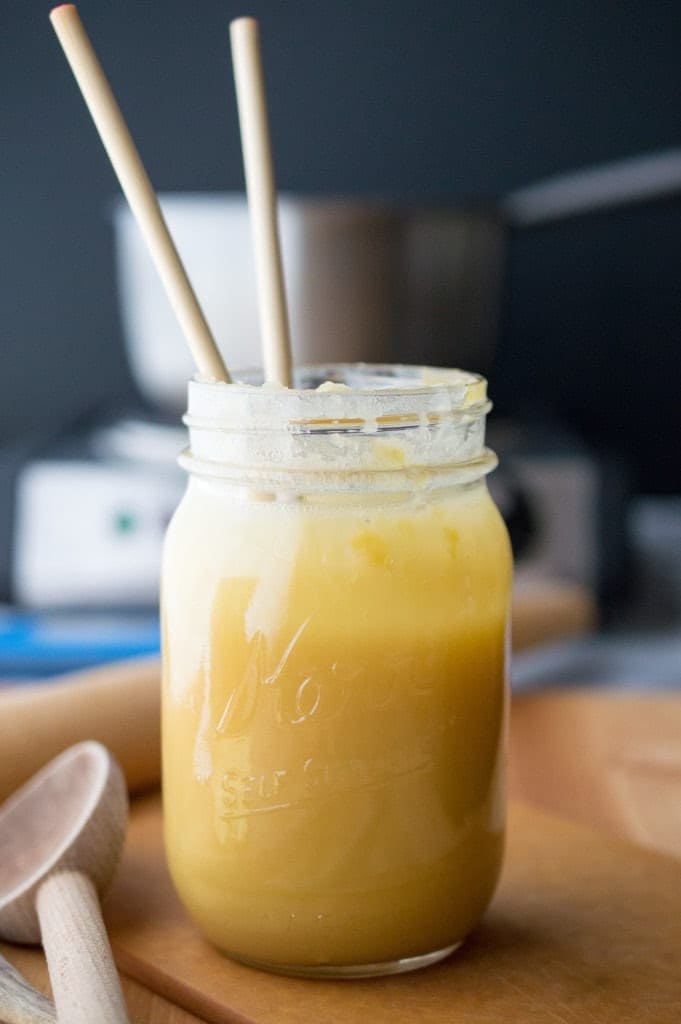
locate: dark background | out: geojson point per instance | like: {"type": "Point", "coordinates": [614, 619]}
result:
{"type": "Point", "coordinates": [404, 100]}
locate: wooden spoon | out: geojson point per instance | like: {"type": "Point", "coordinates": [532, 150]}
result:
{"type": "Point", "coordinates": [61, 837]}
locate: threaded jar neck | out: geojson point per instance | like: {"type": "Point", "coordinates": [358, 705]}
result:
{"type": "Point", "coordinates": [342, 427]}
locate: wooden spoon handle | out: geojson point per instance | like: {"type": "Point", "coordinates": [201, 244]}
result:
{"type": "Point", "coordinates": [20, 1003]}
{"type": "Point", "coordinates": [84, 981]}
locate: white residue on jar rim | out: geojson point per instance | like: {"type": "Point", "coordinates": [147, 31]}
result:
{"type": "Point", "coordinates": [333, 385]}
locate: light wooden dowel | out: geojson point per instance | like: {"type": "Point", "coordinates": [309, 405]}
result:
{"type": "Point", "coordinates": [137, 188]}
{"type": "Point", "coordinates": [20, 1003]}
{"type": "Point", "coordinates": [262, 202]}
{"type": "Point", "coordinates": [84, 981]}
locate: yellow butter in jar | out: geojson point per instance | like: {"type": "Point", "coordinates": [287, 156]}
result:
{"type": "Point", "coordinates": [335, 601]}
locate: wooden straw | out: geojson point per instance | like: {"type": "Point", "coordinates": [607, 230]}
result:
{"type": "Point", "coordinates": [137, 188]}
{"type": "Point", "coordinates": [262, 202]}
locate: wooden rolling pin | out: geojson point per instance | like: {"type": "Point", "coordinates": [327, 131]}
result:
{"type": "Point", "coordinates": [117, 704]}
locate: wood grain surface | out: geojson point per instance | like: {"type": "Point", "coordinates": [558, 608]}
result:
{"type": "Point", "coordinates": [609, 759]}
{"type": "Point", "coordinates": [20, 1003]}
{"type": "Point", "coordinates": [583, 929]}
{"type": "Point", "coordinates": [145, 1006]}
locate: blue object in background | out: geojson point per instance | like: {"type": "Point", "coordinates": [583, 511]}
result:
{"type": "Point", "coordinates": [34, 645]}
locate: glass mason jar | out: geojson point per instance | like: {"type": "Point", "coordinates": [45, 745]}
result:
{"type": "Point", "coordinates": [335, 602]}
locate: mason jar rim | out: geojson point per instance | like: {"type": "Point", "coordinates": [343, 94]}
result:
{"type": "Point", "coordinates": [356, 426]}
{"type": "Point", "coordinates": [371, 397]}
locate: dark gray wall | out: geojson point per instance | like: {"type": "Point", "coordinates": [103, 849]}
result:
{"type": "Point", "coordinates": [417, 100]}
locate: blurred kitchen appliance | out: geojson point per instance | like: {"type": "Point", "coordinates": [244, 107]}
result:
{"type": "Point", "coordinates": [341, 261]}
{"type": "Point", "coordinates": [90, 513]}
{"type": "Point", "coordinates": [551, 492]}
{"type": "Point", "coordinates": [370, 281]}
{"type": "Point", "coordinates": [654, 529]}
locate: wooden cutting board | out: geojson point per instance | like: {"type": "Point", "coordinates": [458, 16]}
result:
{"type": "Point", "coordinates": [583, 929]}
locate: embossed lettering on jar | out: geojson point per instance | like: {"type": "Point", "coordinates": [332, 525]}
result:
{"type": "Point", "coordinates": [335, 601]}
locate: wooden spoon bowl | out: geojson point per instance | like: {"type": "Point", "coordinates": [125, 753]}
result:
{"type": "Point", "coordinates": [61, 836]}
